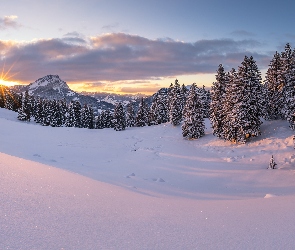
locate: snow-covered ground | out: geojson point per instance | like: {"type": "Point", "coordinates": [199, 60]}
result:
{"type": "Point", "coordinates": [143, 188]}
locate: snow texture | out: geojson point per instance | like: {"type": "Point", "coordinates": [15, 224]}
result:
{"type": "Point", "coordinates": [143, 188]}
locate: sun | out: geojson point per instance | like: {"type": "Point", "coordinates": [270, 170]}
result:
{"type": "Point", "coordinates": [6, 77]}
{"type": "Point", "coordinates": [7, 82]}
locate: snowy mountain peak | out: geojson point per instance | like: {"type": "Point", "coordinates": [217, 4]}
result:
{"type": "Point", "coordinates": [49, 81]}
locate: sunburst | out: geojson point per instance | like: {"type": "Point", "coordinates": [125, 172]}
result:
{"type": "Point", "coordinates": [6, 77]}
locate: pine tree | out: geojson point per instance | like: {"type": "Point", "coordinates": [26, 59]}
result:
{"type": "Point", "coordinates": [130, 115]}
{"type": "Point", "coordinates": [235, 119]}
{"type": "Point", "coordinates": [273, 87]}
{"type": "Point", "coordinates": [70, 116]}
{"type": "Point", "coordinates": [98, 123]}
{"type": "Point", "coordinates": [9, 101]}
{"type": "Point", "coordinates": [288, 74]}
{"type": "Point", "coordinates": [217, 105]}
{"type": "Point", "coordinates": [24, 112]}
{"type": "Point", "coordinates": [194, 125]}
{"type": "Point", "coordinates": [142, 117]}
{"type": "Point", "coordinates": [176, 104]}
{"type": "Point", "coordinates": [87, 117]}
{"type": "Point", "coordinates": [205, 99]}
{"type": "Point", "coordinates": [272, 163]}
{"type": "Point", "coordinates": [119, 120]}
{"type": "Point", "coordinates": [106, 119]}
{"type": "Point", "coordinates": [46, 113]}
{"type": "Point", "coordinates": [63, 108]}
{"type": "Point", "coordinates": [77, 114]}
{"type": "Point", "coordinates": [244, 103]}
{"type": "Point", "coordinates": [159, 108]}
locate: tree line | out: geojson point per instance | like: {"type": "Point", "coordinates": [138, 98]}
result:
{"type": "Point", "coordinates": [237, 101]}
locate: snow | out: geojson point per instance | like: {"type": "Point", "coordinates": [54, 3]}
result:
{"type": "Point", "coordinates": [143, 188]}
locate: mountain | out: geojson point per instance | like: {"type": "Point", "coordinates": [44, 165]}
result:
{"type": "Point", "coordinates": [52, 87]}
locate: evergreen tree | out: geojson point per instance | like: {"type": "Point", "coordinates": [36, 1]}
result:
{"type": "Point", "coordinates": [194, 125]}
{"type": "Point", "coordinates": [9, 101]}
{"type": "Point", "coordinates": [24, 112]}
{"type": "Point", "coordinates": [205, 99]}
{"type": "Point", "coordinates": [119, 120]}
{"type": "Point", "coordinates": [272, 163]}
{"type": "Point", "coordinates": [159, 109]}
{"type": "Point", "coordinates": [273, 87]}
{"type": "Point", "coordinates": [46, 113]}
{"type": "Point", "coordinates": [70, 116]}
{"type": "Point", "coordinates": [63, 108]}
{"type": "Point", "coordinates": [176, 104]}
{"type": "Point", "coordinates": [142, 118]}
{"type": "Point", "coordinates": [130, 115]}
{"type": "Point", "coordinates": [77, 114]}
{"type": "Point", "coordinates": [236, 117]}
{"type": "Point", "coordinates": [98, 123]}
{"type": "Point", "coordinates": [87, 117]}
{"type": "Point", "coordinates": [106, 118]}
{"type": "Point", "coordinates": [216, 112]}
{"type": "Point", "coordinates": [254, 101]}
{"type": "Point", "coordinates": [55, 114]}
{"type": "Point", "coordinates": [288, 74]}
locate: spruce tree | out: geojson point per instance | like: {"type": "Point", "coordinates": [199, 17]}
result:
{"type": "Point", "coordinates": [77, 114]}
{"type": "Point", "coordinates": [130, 115]}
{"type": "Point", "coordinates": [288, 74]}
{"type": "Point", "coordinates": [87, 117]}
{"type": "Point", "coordinates": [119, 120]}
{"type": "Point", "coordinates": [142, 117]}
{"type": "Point", "coordinates": [273, 86]}
{"type": "Point", "coordinates": [176, 104]}
{"type": "Point", "coordinates": [216, 111]}
{"type": "Point", "coordinates": [24, 112]}
{"type": "Point", "coordinates": [194, 125]}
{"type": "Point", "coordinates": [159, 108]}
{"type": "Point", "coordinates": [70, 116]}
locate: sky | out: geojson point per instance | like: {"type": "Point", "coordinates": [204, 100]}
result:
{"type": "Point", "coordinates": [136, 46]}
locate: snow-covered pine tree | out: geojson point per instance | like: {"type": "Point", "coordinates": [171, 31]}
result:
{"type": "Point", "coordinates": [176, 104]}
{"type": "Point", "coordinates": [46, 113]}
{"type": "Point", "coordinates": [273, 86]}
{"type": "Point", "coordinates": [130, 115]}
{"type": "Point", "coordinates": [70, 116]}
{"type": "Point", "coordinates": [106, 119]}
{"type": "Point", "coordinates": [55, 114]}
{"type": "Point", "coordinates": [9, 101]}
{"type": "Point", "coordinates": [159, 108]}
{"type": "Point", "coordinates": [63, 110]}
{"type": "Point", "coordinates": [205, 99]}
{"type": "Point", "coordinates": [235, 116]}
{"type": "Point", "coordinates": [24, 112]}
{"type": "Point", "coordinates": [217, 105]}
{"type": "Point", "coordinates": [254, 101]}
{"type": "Point", "coordinates": [77, 114]}
{"type": "Point", "coordinates": [142, 117]}
{"type": "Point", "coordinates": [272, 163]}
{"type": "Point", "coordinates": [288, 73]}
{"type": "Point", "coordinates": [87, 117]}
{"type": "Point", "coordinates": [194, 125]}
{"type": "Point", "coordinates": [119, 120]}
{"type": "Point", "coordinates": [98, 123]}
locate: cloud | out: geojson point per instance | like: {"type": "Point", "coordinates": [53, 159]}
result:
{"type": "Point", "coordinates": [121, 57]}
{"type": "Point", "coordinates": [110, 27]}
{"type": "Point", "coordinates": [9, 22]}
{"type": "Point", "coordinates": [242, 33]}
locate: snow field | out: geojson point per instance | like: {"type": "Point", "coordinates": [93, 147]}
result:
{"type": "Point", "coordinates": [143, 188]}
